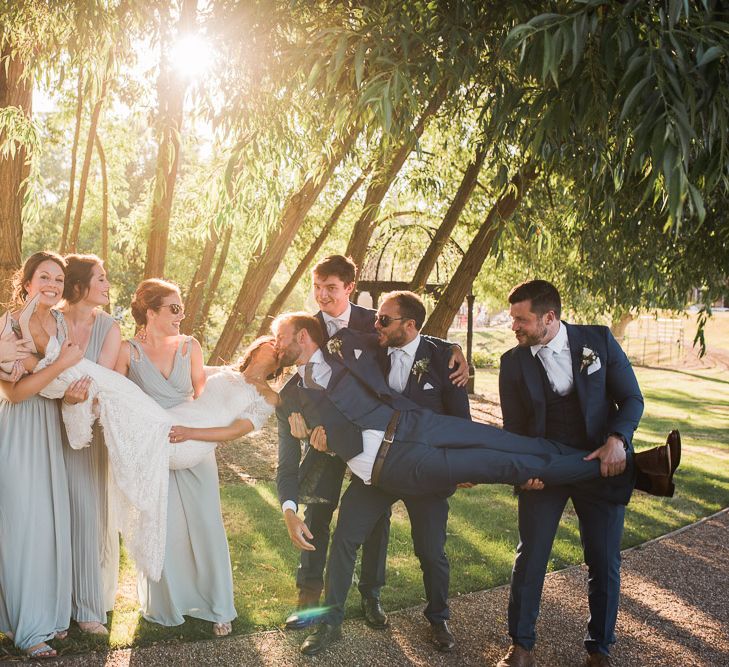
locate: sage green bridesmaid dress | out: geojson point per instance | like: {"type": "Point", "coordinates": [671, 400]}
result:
{"type": "Point", "coordinates": [94, 537]}
{"type": "Point", "coordinates": [35, 523]}
{"type": "Point", "coordinates": [197, 578]}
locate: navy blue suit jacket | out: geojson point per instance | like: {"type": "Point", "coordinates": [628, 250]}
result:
{"type": "Point", "coordinates": [610, 397]}
{"type": "Point", "coordinates": [430, 389]}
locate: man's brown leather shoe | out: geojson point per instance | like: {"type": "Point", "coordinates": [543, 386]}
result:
{"type": "Point", "coordinates": [517, 656]}
{"type": "Point", "coordinates": [598, 660]}
{"type": "Point", "coordinates": [655, 471]}
{"type": "Point", "coordinates": [674, 446]}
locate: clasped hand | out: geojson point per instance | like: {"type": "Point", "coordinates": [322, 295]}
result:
{"type": "Point", "coordinates": [179, 434]}
{"type": "Point", "coordinates": [612, 457]}
{"type": "Point", "coordinates": [317, 436]}
{"type": "Point", "coordinates": [13, 349]}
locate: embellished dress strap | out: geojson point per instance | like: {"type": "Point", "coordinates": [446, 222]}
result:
{"type": "Point", "coordinates": [61, 328]}
{"type": "Point", "coordinates": [183, 348]}
{"type": "Point", "coordinates": [135, 351]}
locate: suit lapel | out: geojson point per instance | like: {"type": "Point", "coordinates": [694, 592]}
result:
{"type": "Point", "coordinates": [354, 318]}
{"type": "Point", "coordinates": [412, 381]}
{"type": "Point", "coordinates": [576, 343]}
{"type": "Point", "coordinates": [535, 386]}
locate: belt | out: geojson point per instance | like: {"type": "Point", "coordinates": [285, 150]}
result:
{"type": "Point", "coordinates": [385, 447]}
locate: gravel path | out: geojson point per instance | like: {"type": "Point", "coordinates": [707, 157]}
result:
{"type": "Point", "coordinates": [674, 611]}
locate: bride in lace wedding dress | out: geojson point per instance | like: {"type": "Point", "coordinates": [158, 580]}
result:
{"type": "Point", "coordinates": [137, 432]}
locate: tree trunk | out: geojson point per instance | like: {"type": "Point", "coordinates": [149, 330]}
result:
{"type": "Point", "coordinates": [16, 91]}
{"type": "Point", "coordinates": [448, 224]}
{"type": "Point", "coordinates": [104, 202]}
{"type": "Point", "coordinates": [171, 88]}
{"type": "Point", "coordinates": [620, 324]}
{"type": "Point", "coordinates": [196, 291]}
{"type": "Point", "coordinates": [263, 265]}
{"type": "Point", "coordinates": [104, 209]}
{"type": "Point", "coordinates": [284, 294]}
{"type": "Point", "coordinates": [93, 124]}
{"type": "Point", "coordinates": [450, 301]}
{"type": "Point", "coordinates": [74, 157]}
{"type": "Point", "coordinates": [382, 180]}
{"type": "Point", "coordinates": [214, 282]}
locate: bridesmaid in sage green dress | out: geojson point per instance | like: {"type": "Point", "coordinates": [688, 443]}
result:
{"type": "Point", "coordinates": [35, 552]}
{"type": "Point", "coordinates": [197, 578]}
{"type": "Point", "coordinates": [94, 537]}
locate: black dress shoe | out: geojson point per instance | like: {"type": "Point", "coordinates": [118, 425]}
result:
{"type": "Point", "coordinates": [304, 615]}
{"type": "Point", "coordinates": [374, 614]}
{"type": "Point", "coordinates": [323, 636]}
{"type": "Point", "coordinates": [442, 637]}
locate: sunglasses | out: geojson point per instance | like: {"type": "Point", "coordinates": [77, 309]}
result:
{"type": "Point", "coordinates": [386, 320]}
{"type": "Point", "coordinates": [175, 308]}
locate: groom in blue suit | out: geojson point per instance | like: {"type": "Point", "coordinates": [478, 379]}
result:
{"type": "Point", "coordinates": [573, 384]}
{"type": "Point", "coordinates": [398, 449]}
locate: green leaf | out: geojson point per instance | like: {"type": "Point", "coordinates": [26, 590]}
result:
{"type": "Point", "coordinates": [632, 97]}
{"type": "Point", "coordinates": [359, 63]}
{"type": "Point", "coordinates": [710, 55]}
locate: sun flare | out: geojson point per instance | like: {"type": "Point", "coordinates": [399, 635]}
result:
{"type": "Point", "coordinates": [192, 55]}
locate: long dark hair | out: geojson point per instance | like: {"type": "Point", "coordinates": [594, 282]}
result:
{"type": "Point", "coordinates": [79, 271]}
{"type": "Point", "coordinates": [26, 272]}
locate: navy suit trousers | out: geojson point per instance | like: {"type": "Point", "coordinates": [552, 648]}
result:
{"type": "Point", "coordinates": [601, 530]}
{"type": "Point", "coordinates": [318, 517]}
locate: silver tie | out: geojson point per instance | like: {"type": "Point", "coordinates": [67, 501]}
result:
{"type": "Point", "coordinates": [335, 325]}
{"type": "Point", "coordinates": [558, 378]}
{"type": "Point", "coordinates": [398, 376]}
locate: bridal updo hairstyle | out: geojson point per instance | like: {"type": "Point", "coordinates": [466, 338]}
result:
{"type": "Point", "coordinates": [79, 271]}
{"type": "Point", "coordinates": [26, 272]}
{"type": "Point", "coordinates": [149, 296]}
{"type": "Point", "coordinates": [250, 352]}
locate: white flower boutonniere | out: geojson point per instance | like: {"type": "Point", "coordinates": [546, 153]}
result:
{"type": "Point", "coordinates": [588, 358]}
{"type": "Point", "coordinates": [334, 347]}
{"type": "Point", "coordinates": [420, 368]}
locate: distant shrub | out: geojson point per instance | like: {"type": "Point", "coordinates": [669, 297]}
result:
{"type": "Point", "coordinates": [484, 359]}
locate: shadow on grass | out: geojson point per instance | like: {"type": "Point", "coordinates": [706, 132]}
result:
{"type": "Point", "coordinates": [697, 376]}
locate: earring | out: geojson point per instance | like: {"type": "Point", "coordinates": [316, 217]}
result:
{"type": "Point", "coordinates": [141, 335]}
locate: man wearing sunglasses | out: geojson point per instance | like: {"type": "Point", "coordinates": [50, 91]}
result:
{"type": "Point", "coordinates": [418, 369]}
{"type": "Point", "coordinates": [333, 281]}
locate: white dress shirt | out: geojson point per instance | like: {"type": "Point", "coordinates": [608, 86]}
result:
{"type": "Point", "coordinates": [401, 364]}
{"type": "Point", "coordinates": [334, 324]}
{"type": "Point", "coordinates": [361, 465]}
{"type": "Point", "coordinates": [557, 361]}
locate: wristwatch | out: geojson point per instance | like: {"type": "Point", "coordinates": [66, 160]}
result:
{"type": "Point", "coordinates": [620, 436]}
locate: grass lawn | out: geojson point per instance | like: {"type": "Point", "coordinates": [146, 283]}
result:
{"type": "Point", "coordinates": [482, 527]}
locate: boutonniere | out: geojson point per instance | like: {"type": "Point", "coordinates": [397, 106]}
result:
{"type": "Point", "coordinates": [334, 347]}
{"type": "Point", "coordinates": [588, 358]}
{"type": "Point", "coordinates": [420, 368]}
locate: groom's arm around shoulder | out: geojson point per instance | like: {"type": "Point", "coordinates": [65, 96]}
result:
{"type": "Point", "coordinates": [362, 319]}
{"type": "Point", "coordinates": [289, 447]}
{"type": "Point", "coordinates": [454, 399]}
{"type": "Point", "coordinates": [513, 394]}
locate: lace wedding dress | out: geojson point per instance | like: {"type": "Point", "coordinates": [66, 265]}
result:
{"type": "Point", "coordinates": [136, 430]}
